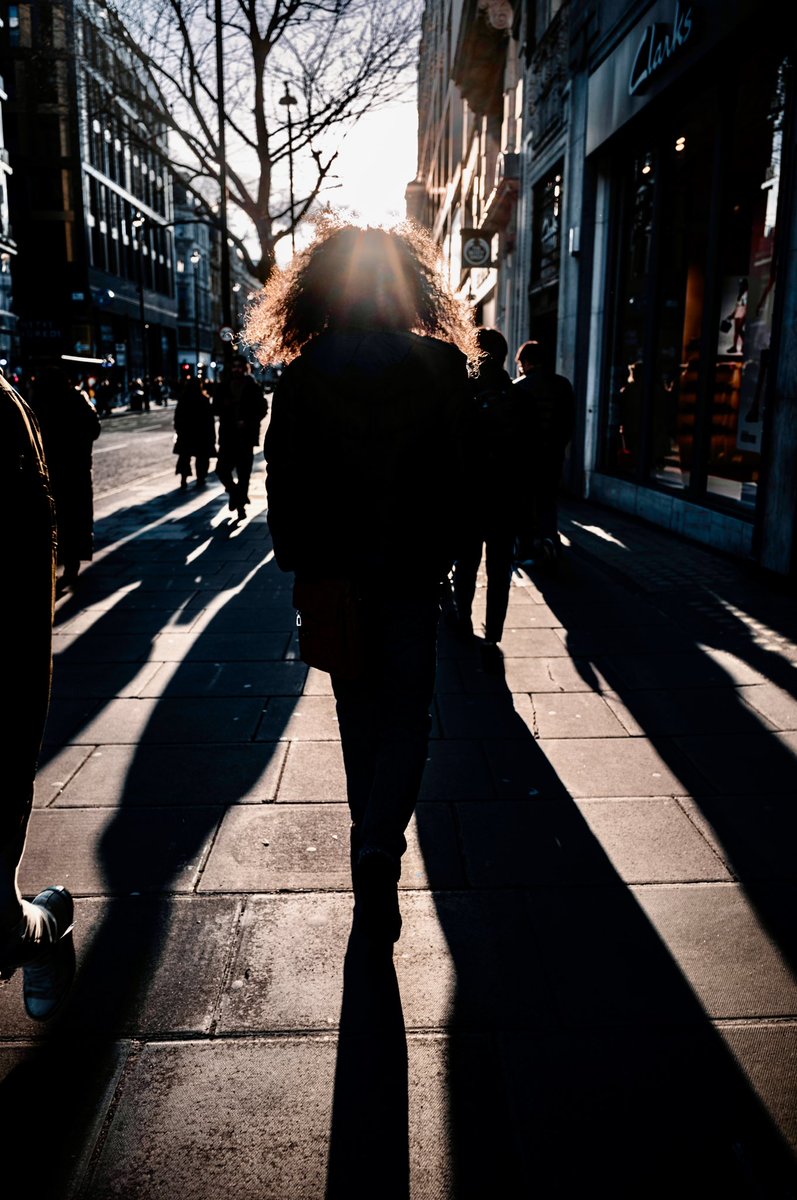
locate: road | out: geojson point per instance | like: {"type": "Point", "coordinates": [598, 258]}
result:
{"type": "Point", "coordinates": [133, 446]}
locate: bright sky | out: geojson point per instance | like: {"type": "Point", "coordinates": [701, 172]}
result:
{"type": "Point", "coordinates": [377, 160]}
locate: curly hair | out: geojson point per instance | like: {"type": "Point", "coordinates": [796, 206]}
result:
{"type": "Point", "coordinates": [351, 277]}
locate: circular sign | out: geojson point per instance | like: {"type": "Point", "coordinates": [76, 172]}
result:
{"type": "Point", "coordinates": [226, 333]}
{"type": "Point", "coordinates": [476, 252]}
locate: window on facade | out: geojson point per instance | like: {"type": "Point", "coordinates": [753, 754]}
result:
{"type": "Point", "coordinates": [545, 259]}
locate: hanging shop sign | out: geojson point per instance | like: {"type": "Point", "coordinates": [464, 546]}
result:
{"type": "Point", "coordinates": [476, 249]}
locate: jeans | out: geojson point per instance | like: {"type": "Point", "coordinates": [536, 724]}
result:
{"type": "Point", "coordinates": [237, 459]}
{"type": "Point", "coordinates": [384, 718]}
{"type": "Point", "coordinates": [499, 543]}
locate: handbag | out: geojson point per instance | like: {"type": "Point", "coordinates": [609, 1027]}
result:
{"type": "Point", "coordinates": [725, 325]}
{"type": "Point", "coordinates": [330, 625]}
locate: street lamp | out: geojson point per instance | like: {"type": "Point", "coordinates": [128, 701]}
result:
{"type": "Point", "coordinates": [289, 100]}
{"type": "Point", "coordinates": [138, 223]}
{"type": "Point", "coordinates": [195, 260]}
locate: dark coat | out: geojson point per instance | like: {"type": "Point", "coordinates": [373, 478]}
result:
{"type": "Point", "coordinates": [365, 456]}
{"type": "Point", "coordinates": [546, 413]}
{"type": "Point", "coordinates": [194, 423]}
{"type": "Point", "coordinates": [70, 425]}
{"type": "Point", "coordinates": [241, 407]}
{"type": "Point", "coordinates": [494, 441]}
{"type": "Point", "coordinates": [27, 604]}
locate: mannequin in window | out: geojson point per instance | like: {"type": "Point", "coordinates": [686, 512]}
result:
{"type": "Point", "coordinates": [738, 315]}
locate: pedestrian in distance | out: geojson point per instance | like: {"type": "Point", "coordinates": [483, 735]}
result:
{"type": "Point", "coordinates": [494, 457]}
{"type": "Point", "coordinates": [69, 425]}
{"type": "Point", "coordinates": [366, 484]}
{"type": "Point", "coordinates": [545, 414]}
{"type": "Point", "coordinates": [195, 432]}
{"type": "Point", "coordinates": [35, 935]}
{"type": "Point", "coordinates": [241, 406]}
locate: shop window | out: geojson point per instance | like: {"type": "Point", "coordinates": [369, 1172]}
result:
{"type": "Point", "coordinates": [623, 426]}
{"type": "Point", "coordinates": [747, 284]}
{"type": "Point", "coordinates": [695, 222]}
{"type": "Point", "coordinates": [545, 260]}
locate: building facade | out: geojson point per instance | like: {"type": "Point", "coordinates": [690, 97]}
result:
{"type": "Point", "coordinates": [651, 242]}
{"type": "Point", "coordinates": [90, 199]}
{"type": "Point", "coordinates": [8, 250]}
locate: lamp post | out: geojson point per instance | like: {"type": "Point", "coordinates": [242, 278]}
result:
{"type": "Point", "coordinates": [138, 224]}
{"type": "Point", "coordinates": [195, 260]}
{"type": "Point", "coordinates": [226, 304]}
{"type": "Point", "coordinates": [289, 100]}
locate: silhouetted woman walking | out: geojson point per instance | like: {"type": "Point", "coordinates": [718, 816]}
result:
{"type": "Point", "coordinates": [366, 487]}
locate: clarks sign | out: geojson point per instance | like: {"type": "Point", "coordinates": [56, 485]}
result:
{"type": "Point", "coordinates": [657, 45]}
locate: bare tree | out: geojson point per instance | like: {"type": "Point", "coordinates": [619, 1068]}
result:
{"type": "Point", "coordinates": [339, 58]}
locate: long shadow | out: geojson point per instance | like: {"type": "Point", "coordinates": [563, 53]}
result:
{"type": "Point", "coordinates": [579, 1060]}
{"type": "Point", "coordinates": [180, 775]}
{"type": "Point", "coordinates": [739, 774]}
{"type": "Point", "coordinates": [369, 1132]}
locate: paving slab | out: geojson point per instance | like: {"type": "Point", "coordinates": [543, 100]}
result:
{"type": "Point", "coordinates": [552, 675]}
{"type": "Point", "coordinates": [575, 714]}
{"type": "Point", "coordinates": [533, 842]}
{"type": "Point", "coordinates": [677, 711]}
{"type": "Point", "coordinates": [605, 962]}
{"type": "Point", "coordinates": [732, 961]}
{"type": "Point", "coordinates": [767, 1054]}
{"type": "Point", "coordinates": [168, 776]}
{"type": "Point", "coordinates": [755, 835]}
{"type": "Point", "coordinates": [101, 680]}
{"type": "Point", "coordinates": [520, 769]}
{"type": "Point", "coordinates": [112, 851]}
{"type": "Point", "coordinates": [306, 846]}
{"type": "Point", "coordinates": [755, 762]}
{"type": "Point", "coordinates": [626, 640]}
{"type": "Point", "coordinates": [532, 643]}
{"type": "Point", "coordinates": [686, 670]}
{"type": "Point", "coordinates": [483, 716]}
{"type": "Point", "coordinates": [27, 1072]}
{"type": "Point", "coordinates": [147, 966]}
{"type": "Point", "coordinates": [67, 717]}
{"type": "Point", "coordinates": [164, 721]}
{"type": "Point", "coordinates": [265, 646]}
{"type": "Point", "coordinates": [215, 680]}
{"type": "Point", "coordinates": [619, 767]}
{"type": "Point", "coordinates": [653, 840]}
{"type": "Point", "coordinates": [308, 718]}
{"type": "Point", "coordinates": [256, 1112]}
{"type": "Point", "coordinates": [776, 706]}
{"type": "Point", "coordinates": [56, 768]}
{"type": "Point", "coordinates": [96, 645]}
{"type": "Point", "coordinates": [655, 1111]}
{"type": "Point", "coordinates": [313, 773]}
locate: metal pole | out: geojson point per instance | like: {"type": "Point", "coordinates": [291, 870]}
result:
{"type": "Point", "coordinates": [138, 224]}
{"type": "Point", "coordinates": [196, 314]}
{"type": "Point", "coordinates": [288, 100]}
{"type": "Point", "coordinates": [226, 306]}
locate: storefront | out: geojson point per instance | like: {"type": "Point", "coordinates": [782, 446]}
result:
{"type": "Point", "coordinates": [686, 140]}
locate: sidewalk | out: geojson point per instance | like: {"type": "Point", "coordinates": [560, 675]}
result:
{"type": "Point", "coordinates": [594, 992]}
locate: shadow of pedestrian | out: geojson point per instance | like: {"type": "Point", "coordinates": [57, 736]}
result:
{"type": "Point", "coordinates": [369, 1133]}
{"type": "Point", "coordinates": [177, 753]}
{"type": "Point", "coordinates": [579, 1058]}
